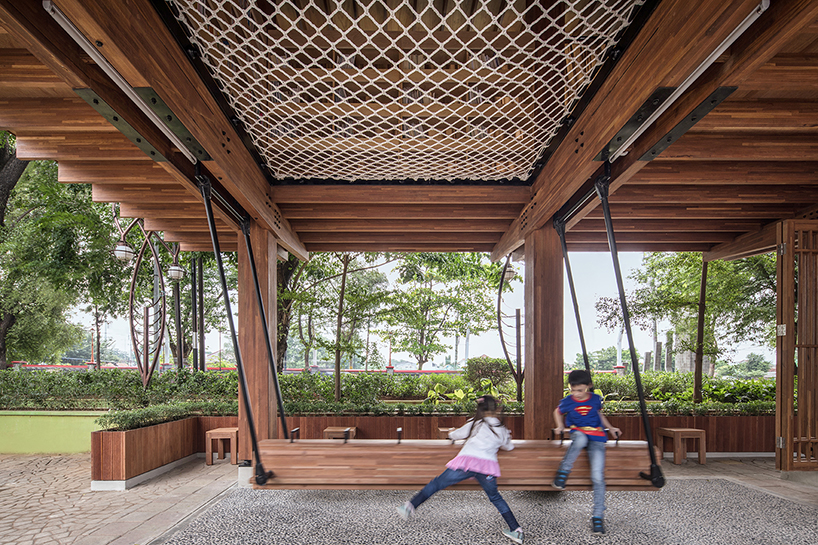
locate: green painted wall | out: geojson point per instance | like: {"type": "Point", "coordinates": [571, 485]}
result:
{"type": "Point", "coordinates": [47, 432]}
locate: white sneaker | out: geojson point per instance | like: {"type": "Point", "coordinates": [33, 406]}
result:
{"type": "Point", "coordinates": [405, 511]}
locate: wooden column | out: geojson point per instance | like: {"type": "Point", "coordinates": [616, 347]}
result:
{"type": "Point", "coordinates": [543, 331]}
{"type": "Point", "coordinates": [251, 336]}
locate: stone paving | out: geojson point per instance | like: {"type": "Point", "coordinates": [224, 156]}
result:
{"type": "Point", "coordinates": [47, 499]}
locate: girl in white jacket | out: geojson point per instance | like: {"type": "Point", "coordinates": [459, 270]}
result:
{"type": "Point", "coordinates": [484, 435]}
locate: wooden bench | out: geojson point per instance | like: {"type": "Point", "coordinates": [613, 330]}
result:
{"type": "Point", "coordinates": [220, 435]}
{"type": "Point", "coordinates": [680, 437]}
{"type": "Point", "coordinates": [337, 432]}
{"type": "Point", "coordinates": [385, 464]}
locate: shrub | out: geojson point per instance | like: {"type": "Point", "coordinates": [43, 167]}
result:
{"type": "Point", "coordinates": [494, 369]}
{"type": "Point", "coordinates": [158, 414]}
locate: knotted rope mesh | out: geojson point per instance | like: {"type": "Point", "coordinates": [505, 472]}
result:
{"type": "Point", "coordinates": [397, 90]}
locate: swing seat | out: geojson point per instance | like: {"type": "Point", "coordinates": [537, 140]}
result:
{"type": "Point", "coordinates": [410, 464]}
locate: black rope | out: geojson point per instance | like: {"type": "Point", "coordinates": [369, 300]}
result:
{"type": "Point", "coordinates": [559, 225]}
{"type": "Point", "coordinates": [601, 185]}
{"type": "Point", "coordinates": [204, 186]}
{"type": "Point", "coordinates": [245, 228]}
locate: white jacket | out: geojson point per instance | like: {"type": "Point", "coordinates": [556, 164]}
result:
{"type": "Point", "coordinates": [489, 436]}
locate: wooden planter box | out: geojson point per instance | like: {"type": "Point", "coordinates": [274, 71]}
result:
{"type": "Point", "coordinates": [124, 455]}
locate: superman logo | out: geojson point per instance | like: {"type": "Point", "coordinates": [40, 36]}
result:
{"type": "Point", "coordinates": [583, 409]}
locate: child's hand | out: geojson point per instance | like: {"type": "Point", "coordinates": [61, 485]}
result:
{"type": "Point", "coordinates": [615, 432]}
{"type": "Point", "coordinates": [558, 430]}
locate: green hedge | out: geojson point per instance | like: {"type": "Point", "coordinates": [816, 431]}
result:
{"type": "Point", "coordinates": [111, 389]}
{"type": "Point", "coordinates": [159, 414]}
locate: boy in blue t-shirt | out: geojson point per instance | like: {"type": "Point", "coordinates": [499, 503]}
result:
{"type": "Point", "coordinates": [581, 413]}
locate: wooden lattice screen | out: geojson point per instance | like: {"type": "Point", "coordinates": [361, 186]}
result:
{"type": "Point", "coordinates": [797, 346]}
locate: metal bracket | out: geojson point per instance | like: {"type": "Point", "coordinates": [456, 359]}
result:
{"type": "Point", "coordinates": [781, 249]}
{"type": "Point", "coordinates": [155, 103]}
{"type": "Point", "coordinates": [780, 443]}
{"type": "Point", "coordinates": [644, 112]}
{"type": "Point", "coordinates": [687, 123]}
{"type": "Point", "coordinates": [122, 126]}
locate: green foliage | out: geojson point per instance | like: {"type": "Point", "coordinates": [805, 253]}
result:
{"type": "Point", "coordinates": [755, 366]}
{"type": "Point", "coordinates": [601, 360]}
{"type": "Point", "coordinates": [111, 389]}
{"type": "Point", "coordinates": [158, 414]}
{"type": "Point", "coordinates": [496, 370]}
{"type": "Point", "coordinates": [688, 408]}
{"type": "Point", "coordinates": [739, 307]}
{"type": "Point", "coordinates": [440, 295]}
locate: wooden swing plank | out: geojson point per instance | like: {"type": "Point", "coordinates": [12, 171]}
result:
{"type": "Point", "coordinates": [387, 464]}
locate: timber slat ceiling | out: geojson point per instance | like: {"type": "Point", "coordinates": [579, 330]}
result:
{"type": "Point", "coordinates": [751, 161]}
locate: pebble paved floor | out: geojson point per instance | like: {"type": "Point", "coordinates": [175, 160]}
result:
{"type": "Point", "coordinates": [47, 500]}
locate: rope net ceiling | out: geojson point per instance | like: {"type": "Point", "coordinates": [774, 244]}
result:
{"type": "Point", "coordinates": [396, 90]}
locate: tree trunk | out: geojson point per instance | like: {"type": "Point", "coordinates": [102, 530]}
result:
{"type": "Point", "coordinates": [697, 372]}
{"type": "Point", "coordinates": [345, 261]}
{"type": "Point", "coordinates": [5, 324]}
{"type": "Point", "coordinates": [285, 272]}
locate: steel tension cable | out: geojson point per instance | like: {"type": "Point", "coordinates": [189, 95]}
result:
{"type": "Point", "coordinates": [601, 185]}
{"type": "Point", "coordinates": [204, 186]}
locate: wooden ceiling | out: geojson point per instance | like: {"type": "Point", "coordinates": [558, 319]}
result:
{"type": "Point", "coordinates": [752, 161]}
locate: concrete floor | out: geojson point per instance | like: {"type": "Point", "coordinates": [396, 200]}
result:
{"type": "Point", "coordinates": [47, 499]}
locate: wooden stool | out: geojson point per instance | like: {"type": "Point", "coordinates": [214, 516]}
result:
{"type": "Point", "coordinates": [443, 433]}
{"type": "Point", "coordinates": [680, 437]}
{"type": "Point", "coordinates": [220, 435]}
{"type": "Point", "coordinates": [337, 432]}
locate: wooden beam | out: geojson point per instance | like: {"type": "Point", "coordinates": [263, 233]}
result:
{"type": "Point", "coordinates": [183, 226]}
{"type": "Point", "coordinates": [77, 146]}
{"type": "Point", "coordinates": [642, 247]}
{"type": "Point", "coordinates": [657, 237]}
{"type": "Point", "coordinates": [196, 237]}
{"type": "Point", "coordinates": [302, 226]}
{"type": "Point", "coordinates": [22, 75]}
{"type": "Point", "coordinates": [764, 39]}
{"type": "Point", "coordinates": [677, 37]}
{"type": "Point", "coordinates": [224, 246]}
{"type": "Point", "coordinates": [60, 115]}
{"type": "Point", "coordinates": [30, 25]}
{"type": "Point", "coordinates": [401, 194]}
{"type": "Point", "coordinates": [394, 211]}
{"type": "Point", "coordinates": [162, 65]}
{"type": "Point", "coordinates": [589, 225]}
{"type": "Point", "coordinates": [699, 194]}
{"type": "Point", "coordinates": [746, 245]}
{"type": "Point", "coordinates": [761, 115]}
{"type": "Point", "coordinates": [405, 246]}
{"type": "Point", "coordinates": [785, 74]}
{"type": "Point", "coordinates": [386, 238]}
{"type": "Point", "coordinates": [742, 147]}
{"type": "Point", "coordinates": [113, 172]}
{"type": "Point", "coordinates": [143, 194]}
{"type": "Point", "coordinates": [166, 211]}
{"type": "Point", "coordinates": [698, 211]}
{"type": "Point", "coordinates": [727, 173]}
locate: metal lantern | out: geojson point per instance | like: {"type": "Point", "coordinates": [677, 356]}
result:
{"type": "Point", "coordinates": [123, 252]}
{"type": "Point", "coordinates": [175, 272]}
{"type": "Point", "coordinates": [509, 273]}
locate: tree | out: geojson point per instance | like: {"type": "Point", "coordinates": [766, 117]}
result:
{"type": "Point", "coordinates": [739, 307]}
{"type": "Point", "coordinates": [339, 292]}
{"type": "Point", "coordinates": [54, 249]}
{"type": "Point", "coordinates": [441, 295]}
{"type": "Point", "coordinates": [600, 360]}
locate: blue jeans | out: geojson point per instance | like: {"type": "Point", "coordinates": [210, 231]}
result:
{"type": "Point", "coordinates": [454, 476]}
{"type": "Point", "coordinates": [596, 458]}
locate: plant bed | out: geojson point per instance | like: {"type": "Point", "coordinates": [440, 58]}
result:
{"type": "Point", "coordinates": [122, 456]}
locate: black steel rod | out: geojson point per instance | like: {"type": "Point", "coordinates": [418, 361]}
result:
{"type": "Point", "coordinates": [601, 185]}
{"type": "Point", "coordinates": [200, 306]}
{"type": "Point", "coordinates": [261, 475]}
{"type": "Point", "coordinates": [559, 225]}
{"type": "Point", "coordinates": [194, 321]}
{"type": "Point", "coordinates": [245, 228]}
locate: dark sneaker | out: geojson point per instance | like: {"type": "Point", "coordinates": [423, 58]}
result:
{"type": "Point", "coordinates": [559, 480]}
{"type": "Point", "coordinates": [514, 535]}
{"type": "Point", "coordinates": [597, 527]}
